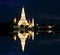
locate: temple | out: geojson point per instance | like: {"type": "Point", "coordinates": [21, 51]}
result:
{"type": "Point", "coordinates": [23, 21]}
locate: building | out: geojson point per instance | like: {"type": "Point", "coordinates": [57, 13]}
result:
{"type": "Point", "coordinates": [23, 21]}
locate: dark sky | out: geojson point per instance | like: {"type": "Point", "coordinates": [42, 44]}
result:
{"type": "Point", "coordinates": [34, 8]}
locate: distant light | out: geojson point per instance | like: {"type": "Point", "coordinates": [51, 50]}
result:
{"type": "Point", "coordinates": [23, 36]}
{"type": "Point", "coordinates": [49, 31]}
{"type": "Point", "coordinates": [14, 20]}
{"type": "Point", "coordinates": [36, 24]}
{"type": "Point", "coordinates": [37, 33]}
{"type": "Point", "coordinates": [14, 37]}
{"type": "Point", "coordinates": [49, 26]}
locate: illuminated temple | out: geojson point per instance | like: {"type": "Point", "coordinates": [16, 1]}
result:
{"type": "Point", "coordinates": [23, 36]}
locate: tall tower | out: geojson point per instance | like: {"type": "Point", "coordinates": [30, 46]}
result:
{"type": "Point", "coordinates": [23, 38]}
{"type": "Point", "coordinates": [32, 22]}
{"type": "Point", "coordinates": [23, 14]}
{"type": "Point", "coordinates": [22, 20]}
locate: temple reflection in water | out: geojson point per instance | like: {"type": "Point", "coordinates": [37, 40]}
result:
{"type": "Point", "coordinates": [24, 29]}
{"type": "Point", "coordinates": [22, 23]}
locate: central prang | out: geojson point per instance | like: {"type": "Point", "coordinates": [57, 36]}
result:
{"type": "Point", "coordinates": [23, 29]}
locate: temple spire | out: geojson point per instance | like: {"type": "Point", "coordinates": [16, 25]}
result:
{"type": "Point", "coordinates": [23, 13]}
{"type": "Point", "coordinates": [22, 20]}
{"type": "Point", "coordinates": [23, 36]}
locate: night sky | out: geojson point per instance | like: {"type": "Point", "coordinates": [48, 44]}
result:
{"type": "Point", "coordinates": [12, 8]}
{"type": "Point", "coordinates": [33, 8]}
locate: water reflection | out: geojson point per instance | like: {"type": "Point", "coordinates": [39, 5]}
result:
{"type": "Point", "coordinates": [24, 33]}
{"type": "Point", "coordinates": [23, 36]}
{"type": "Point", "coordinates": [24, 29]}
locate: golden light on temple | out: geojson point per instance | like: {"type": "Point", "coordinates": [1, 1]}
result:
{"type": "Point", "coordinates": [24, 36]}
{"type": "Point", "coordinates": [25, 29]}
{"type": "Point", "coordinates": [14, 37]}
{"type": "Point", "coordinates": [49, 26]}
{"type": "Point", "coordinates": [31, 34]}
{"type": "Point", "coordinates": [49, 31]}
{"type": "Point", "coordinates": [14, 20]}
{"type": "Point", "coordinates": [22, 20]}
